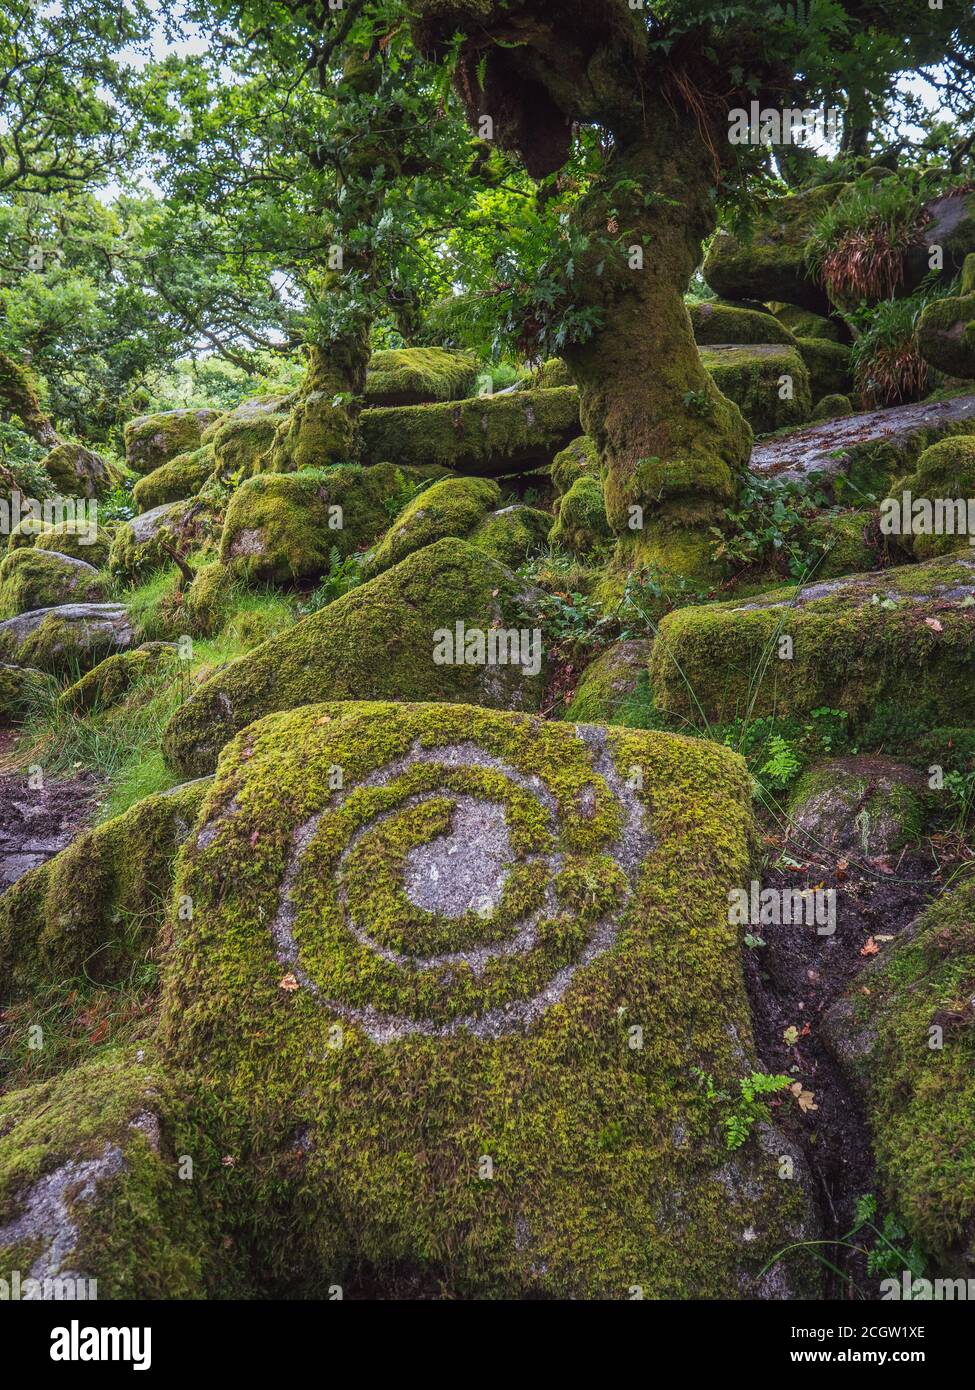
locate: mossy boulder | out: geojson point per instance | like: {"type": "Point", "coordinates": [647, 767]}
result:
{"type": "Point", "coordinates": [832, 407]}
{"type": "Point", "coordinates": [865, 806]}
{"type": "Point", "coordinates": [280, 527]}
{"type": "Point", "coordinates": [79, 542]}
{"type": "Point", "coordinates": [805, 324]}
{"type": "Point", "coordinates": [581, 524]}
{"type": "Point", "coordinates": [241, 440]}
{"type": "Point", "coordinates": [768, 382]}
{"type": "Point", "coordinates": [418, 376]}
{"type": "Point", "coordinates": [180, 478]}
{"type": "Point", "coordinates": [719, 323]}
{"type": "Point", "coordinates": [35, 578]}
{"type": "Point", "coordinates": [490, 435]}
{"type": "Point", "coordinates": [829, 366]}
{"type": "Point", "coordinates": [208, 601]}
{"type": "Point", "coordinates": [512, 534]}
{"type": "Point", "coordinates": [141, 545]}
{"type": "Point", "coordinates": [946, 329]}
{"type": "Point", "coordinates": [113, 679]}
{"type": "Point", "coordinates": [19, 688]}
{"type": "Point", "coordinates": [768, 263]}
{"type": "Point", "coordinates": [451, 507]}
{"type": "Point", "coordinates": [552, 374]}
{"type": "Point", "coordinates": [90, 1188]}
{"type": "Point", "coordinates": [614, 689]}
{"type": "Point", "coordinates": [487, 916]}
{"type": "Point", "coordinates": [152, 440]}
{"type": "Point", "coordinates": [903, 636]}
{"type": "Point", "coordinates": [849, 543]}
{"type": "Point", "coordinates": [905, 1036]}
{"type": "Point", "coordinates": [944, 473]}
{"type": "Point", "coordinates": [391, 637]}
{"type": "Point", "coordinates": [580, 457]}
{"type": "Point", "coordinates": [66, 639]}
{"type": "Point", "coordinates": [27, 532]}
{"type": "Point", "coordinates": [78, 472]}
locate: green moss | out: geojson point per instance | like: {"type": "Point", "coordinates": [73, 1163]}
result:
{"type": "Point", "coordinates": [805, 324]}
{"type": "Point", "coordinates": [614, 688]}
{"type": "Point", "coordinates": [96, 908]}
{"type": "Point", "coordinates": [490, 435]}
{"type": "Point", "coordinates": [753, 376]}
{"type": "Point", "coordinates": [719, 323]}
{"type": "Point", "coordinates": [141, 545]}
{"type": "Point", "coordinates": [208, 601]}
{"type": "Point", "coordinates": [452, 507]}
{"type": "Point", "coordinates": [67, 538]}
{"type": "Point", "coordinates": [918, 1094]}
{"type": "Point", "coordinates": [512, 534]}
{"type": "Point", "coordinates": [568, 1105]}
{"type": "Point", "coordinates": [830, 367]}
{"type": "Point", "coordinates": [152, 440]}
{"type": "Point", "coordinates": [868, 804]}
{"type": "Point", "coordinates": [833, 407]}
{"type": "Point", "coordinates": [280, 527]}
{"type": "Point", "coordinates": [112, 1209]}
{"type": "Point", "coordinates": [945, 472]}
{"type": "Point", "coordinates": [180, 478]}
{"type": "Point", "coordinates": [416, 376]}
{"type": "Point", "coordinates": [77, 472]}
{"type": "Point", "coordinates": [31, 579]}
{"type": "Point", "coordinates": [579, 458]}
{"type": "Point", "coordinates": [553, 374]}
{"type": "Point", "coordinates": [581, 525]}
{"type": "Point", "coordinates": [847, 551]}
{"type": "Point", "coordinates": [27, 532]}
{"type": "Point", "coordinates": [856, 643]}
{"type": "Point", "coordinates": [112, 679]}
{"type": "Point", "coordinates": [376, 640]}
{"type": "Point", "coordinates": [946, 331]}
{"type": "Point", "coordinates": [768, 263]}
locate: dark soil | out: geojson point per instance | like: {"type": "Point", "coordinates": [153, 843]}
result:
{"type": "Point", "coordinates": [36, 823]}
{"type": "Point", "coordinates": [792, 981]}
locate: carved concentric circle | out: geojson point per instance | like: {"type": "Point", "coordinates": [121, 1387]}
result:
{"type": "Point", "coordinates": [449, 891]}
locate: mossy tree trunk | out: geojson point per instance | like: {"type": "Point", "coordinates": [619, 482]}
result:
{"type": "Point", "coordinates": [18, 397]}
{"type": "Point", "coordinates": [323, 426]}
{"type": "Point", "coordinates": [672, 446]}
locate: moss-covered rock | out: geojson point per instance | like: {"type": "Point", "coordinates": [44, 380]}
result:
{"type": "Point", "coordinates": [280, 527]}
{"type": "Point", "coordinates": [98, 906]}
{"type": "Point", "coordinates": [829, 366]}
{"type": "Point", "coordinates": [77, 472]}
{"type": "Point", "coordinates": [512, 534]}
{"type": "Point", "coordinates": [805, 324]}
{"type": "Point", "coordinates": [849, 541]}
{"type": "Point", "coordinates": [944, 473]}
{"type": "Point", "coordinates": [419, 376]}
{"type": "Point", "coordinates": [580, 457]}
{"type": "Point", "coordinates": [832, 407]}
{"type": "Point", "coordinates": [67, 639]}
{"type": "Point", "coordinates": [905, 1035]}
{"type": "Point", "coordinates": [90, 1187]}
{"type": "Point", "coordinates": [768, 382]}
{"type": "Point", "coordinates": [581, 524]}
{"type": "Point", "coordinates": [489, 435]}
{"type": "Point", "coordinates": [486, 916]}
{"type": "Point", "coordinates": [719, 323]}
{"type": "Point", "coordinates": [769, 263]}
{"type": "Point", "coordinates": [35, 578]}
{"type": "Point", "coordinates": [452, 507]}
{"type": "Point", "coordinates": [903, 636]}
{"type": "Point", "coordinates": [112, 679]}
{"type": "Point", "coordinates": [553, 374]}
{"type": "Point", "coordinates": [91, 544]}
{"type": "Point", "coordinates": [180, 478]}
{"type": "Point", "coordinates": [26, 533]}
{"type": "Point", "coordinates": [19, 688]}
{"type": "Point", "coordinates": [614, 689]}
{"type": "Point", "coordinates": [394, 635]}
{"type": "Point", "coordinates": [866, 805]}
{"type": "Point", "coordinates": [140, 546]}
{"type": "Point", "coordinates": [152, 440]}
{"type": "Point", "coordinates": [242, 439]}
{"type": "Point", "coordinates": [946, 329]}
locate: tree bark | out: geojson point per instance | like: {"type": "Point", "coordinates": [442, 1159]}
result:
{"type": "Point", "coordinates": [19, 397]}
